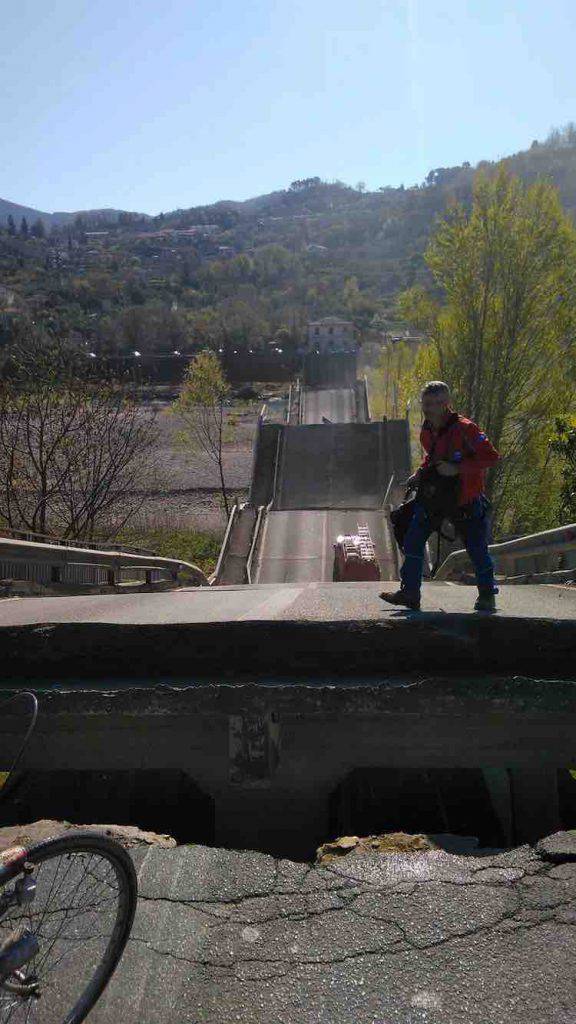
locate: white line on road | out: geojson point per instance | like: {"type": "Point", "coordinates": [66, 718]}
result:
{"type": "Point", "coordinates": [273, 605]}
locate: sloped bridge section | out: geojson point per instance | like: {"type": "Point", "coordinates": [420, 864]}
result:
{"type": "Point", "coordinates": [340, 465]}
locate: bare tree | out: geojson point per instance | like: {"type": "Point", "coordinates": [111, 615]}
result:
{"type": "Point", "coordinates": [74, 449]}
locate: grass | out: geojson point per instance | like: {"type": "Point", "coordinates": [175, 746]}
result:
{"type": "Point", "coordinates": [201, 547]}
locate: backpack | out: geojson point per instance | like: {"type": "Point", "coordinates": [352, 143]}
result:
{"type": "Point", "coordinates": [438, 494]}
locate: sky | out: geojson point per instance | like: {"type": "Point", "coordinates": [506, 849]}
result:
{"type": "Point", "coordinates": [151, 106]}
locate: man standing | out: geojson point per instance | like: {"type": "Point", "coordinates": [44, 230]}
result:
{"type": "Point", "coordinates": [449, 485]}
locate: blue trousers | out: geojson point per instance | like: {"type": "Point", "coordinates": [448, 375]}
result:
{"type": "Point", "coordinates": [475, 539]}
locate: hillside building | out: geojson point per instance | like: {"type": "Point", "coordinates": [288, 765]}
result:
{"type": "Point", "coordinates": [330, 334]}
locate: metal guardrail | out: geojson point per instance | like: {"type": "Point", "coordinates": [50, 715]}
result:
{"type": "Point", "coordinates": [255, 538]}
{"type": "Point", "coordinates": [549, 551]}
{"type": "Point", "coordinates": [279, 442]}
{"type": "Point", "coordinates": [225, 544]}
{"type": "Point", "coordinates": [46, 538]}
{"type": "Point", "coordinates": [300, 403]}
{"type": "Point", "coordinates": [50, 562]}
{"type": "Point", "coordinates": [367, 399]}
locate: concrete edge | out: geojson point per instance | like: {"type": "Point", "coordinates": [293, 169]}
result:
{"type": "Point", "coordinates": [429, 642]}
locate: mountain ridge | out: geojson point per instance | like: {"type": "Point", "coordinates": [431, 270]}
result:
{"type": "Point", "coordinates": [59, 217]}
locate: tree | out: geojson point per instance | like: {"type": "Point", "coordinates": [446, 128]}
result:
{"type": "Point", "coordinates": [24, 228]}
{"type": "Point", "coordinates": [502, 337]}
{"type": "Point", "coordinates": [305, 184]}
{"type": "Point", "coordinates": [74, 449]}
{"type": "Point", "coordinates": [11, 225]}
{"type": "Point", "coordinates": [38, 229]}
{"type": "Point", "coordinates": [201, 407]}
{"type": "Point", "coordinates": [563, 444]}
{"type": "Point", "coordinates": [418, 308]}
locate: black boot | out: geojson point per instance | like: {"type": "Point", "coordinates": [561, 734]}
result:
{"type": "Point", "coordinates": [405, 598]}
{"type": "Point", "coordinates": [486, 600]}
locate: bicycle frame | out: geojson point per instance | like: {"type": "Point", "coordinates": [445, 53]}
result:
{"type": "Point", "coordinates": [21, 945]}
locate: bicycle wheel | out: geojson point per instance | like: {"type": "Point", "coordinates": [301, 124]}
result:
{"type": "Point", "coordinates": [81, 916]}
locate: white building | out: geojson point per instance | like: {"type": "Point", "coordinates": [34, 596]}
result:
{"type": "Point", "coordinates": [330, 334]}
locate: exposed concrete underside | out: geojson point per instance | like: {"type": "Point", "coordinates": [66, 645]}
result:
{"type": "Point", "coordinates": [272, 756]}
{"type": "Point", "coordinates": [404, 938]}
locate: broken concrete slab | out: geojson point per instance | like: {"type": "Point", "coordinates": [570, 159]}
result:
{"type": "Point", "coordinates": [38, 831]}
{"type": "Point", "coordinates": [395, 842]}
{"type": "Point", "coordinates": [560, 847]}
{"type": "Point", "coordinates": [282, 766]}
{"type": "Point", "coordinates": [304, 630]}
{"type": "Point", "coordinates": [429, 936]}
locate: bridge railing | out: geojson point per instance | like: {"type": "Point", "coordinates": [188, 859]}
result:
{"type": "Point", "coordinates": [75, 563]}
{"type": "Point", "coordinates": [539, 557]}
{"type": "Point", "coordinates": [46, 538]}
{"type": "Point", "coordinates": [225, 544]}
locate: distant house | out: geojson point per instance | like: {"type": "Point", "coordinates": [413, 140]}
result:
{"type": "Point", "coordinates": [198, 229]}
{"type": "Point", "coordinates": [330, 334]}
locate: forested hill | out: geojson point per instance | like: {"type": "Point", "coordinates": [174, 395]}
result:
{"type": "Point", "coordinates": [55, 220]}
{"type": "Point", "coordinates": [245, 271]}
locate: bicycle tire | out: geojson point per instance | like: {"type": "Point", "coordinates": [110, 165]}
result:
{"type": "Point", "coordinates": [108, 849]}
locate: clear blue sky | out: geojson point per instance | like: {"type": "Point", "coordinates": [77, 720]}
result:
{"type": "Point", "coordinates": [149, 105]}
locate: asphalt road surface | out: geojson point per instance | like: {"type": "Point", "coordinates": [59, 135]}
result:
{"type": "Point", "coordinates": [337, 404]}
{"type": "Point", "coordinates": [299, 602]}
{"type": "Point", "coordinates": [417, 938]}
{"type": "Point", "coordinates": [297, 547]}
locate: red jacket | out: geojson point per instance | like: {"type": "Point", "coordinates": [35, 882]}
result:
{"type": "Point", "coordinates": [462, 442]}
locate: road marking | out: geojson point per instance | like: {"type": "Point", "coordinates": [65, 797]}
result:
{"type": "Point", "coordinates": [270, 607]}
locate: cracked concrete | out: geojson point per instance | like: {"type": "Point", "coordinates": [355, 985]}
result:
{"type": "Point", "coordinates": [413, 938]}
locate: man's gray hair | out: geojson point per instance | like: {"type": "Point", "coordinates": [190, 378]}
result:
{"type": "Point", "coordinates": [435, 387]}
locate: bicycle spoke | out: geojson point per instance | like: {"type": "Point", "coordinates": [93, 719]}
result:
{"type": "Point", "coordinates": [74, 916]}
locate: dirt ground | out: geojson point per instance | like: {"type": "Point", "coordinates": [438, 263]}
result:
{"type": "Point", "coordinates": [185, 489]}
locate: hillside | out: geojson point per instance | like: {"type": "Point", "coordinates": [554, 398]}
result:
{"type": "Point", "coordinates": [242, 273]}
{"type": "Point", "coordinates": [52, 220]}
{"type": "Point", "coordinates": [15, 210]}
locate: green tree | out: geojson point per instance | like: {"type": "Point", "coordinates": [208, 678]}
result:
{"type": "Point", "coordinates": [419, 309]}
{"type": "Point", "coordinates": [11, 225]}
{"type": "Point", "coordinates": [563, 444]}
{"type": "Point", "coordinates": [201, 407]}
{"type": "Point", "coordinates": [24, 228]}
{"type": "Point", "coordinates": [502, 339]}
